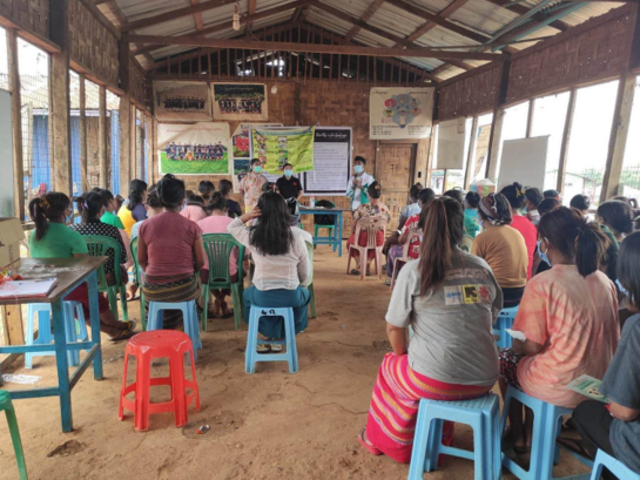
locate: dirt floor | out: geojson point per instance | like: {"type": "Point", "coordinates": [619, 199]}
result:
{"type": "Point", "coordinates": [271, 425]}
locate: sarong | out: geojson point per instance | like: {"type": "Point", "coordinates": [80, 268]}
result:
{"type": "Point", "coordinates": [170, 289]}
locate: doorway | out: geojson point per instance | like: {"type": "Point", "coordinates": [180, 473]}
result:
{"type": "Point", "coordinates": [395, 170]}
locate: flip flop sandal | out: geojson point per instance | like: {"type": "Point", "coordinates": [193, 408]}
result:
{"type": "Point", "coordinates": [276, 348]}
{"type": "Point", "coordinates": [354, 272]}
{"type": "Point", "coordinates": [372, 450]}
{"type": "Point", "coordinates": [124, 335]}
{"type": "Point", "coordinates": [263, 348]}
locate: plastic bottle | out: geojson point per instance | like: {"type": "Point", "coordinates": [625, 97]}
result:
{"type": "Point", "coordinates": [312, 202]}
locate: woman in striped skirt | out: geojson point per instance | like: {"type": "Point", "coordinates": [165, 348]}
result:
{"type": "Point", "coordinates": [450, 299]}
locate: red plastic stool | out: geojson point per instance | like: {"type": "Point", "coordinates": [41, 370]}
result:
{"type": "Point", "coordinates": [147, 346]}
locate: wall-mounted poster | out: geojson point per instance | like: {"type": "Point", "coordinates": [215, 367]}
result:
{"type": "Point", "coordinates": [400, 113]}
{"type": "Point", "coordinates": [242, 148]}
{"type": "Point", "coordinates": [198, 149]}
{"type": "Point", "coordinates": [182, 101]}
{"type": "Point", "coordinates": [332, 162]}
{"type": "Point", "coordinates": [286, 145]}
{"type": "Point", "coordinates": [452, 143]}
{"type": "Point", "coordinates": [240, 101]}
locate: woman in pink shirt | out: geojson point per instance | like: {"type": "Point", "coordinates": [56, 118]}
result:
{"type": "Point", "coordinates": [516, 195]}
{"type": "Point", "coordinates": [569, 315]}
{"type": "Point", "coordinates": [218, 223]}
{"type": "Point", "coordinates": [194, 210]}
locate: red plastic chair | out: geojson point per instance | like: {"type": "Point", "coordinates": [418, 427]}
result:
{"type": "Point", "coordinates": [146, 347]}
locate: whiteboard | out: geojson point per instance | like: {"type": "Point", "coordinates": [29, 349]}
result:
{"type": "Point", "coordinates": [6, 156]}
{"type": "Point", "coordinates": [524, 161]}
{"type": "Point", "coordinates": [331, 160]}
{"type": "Point", "coordinates": [451, 142]}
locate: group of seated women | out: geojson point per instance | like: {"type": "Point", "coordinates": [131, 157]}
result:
{"type": "Point", "coordinates": [568, 313]}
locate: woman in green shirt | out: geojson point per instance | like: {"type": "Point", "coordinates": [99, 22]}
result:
{"type": "Point", "coordinates": [53, 239]}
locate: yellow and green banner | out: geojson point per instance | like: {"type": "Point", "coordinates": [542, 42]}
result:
{"type": "Point", "coordinates": [275, 147]}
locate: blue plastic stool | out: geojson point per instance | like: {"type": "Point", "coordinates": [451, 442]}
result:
{"type": "Point", "coordinates": [189, 316]}
{"type": "Point", "coordinates": [547, 421]}
{"type": "Point", "coordinates": [504, 321]}
{"type": "Point", "coordinates": [251, 356]}
{"type": "Point", "coordinates": [616, 467]}
{"type": "Point", "coordinates": [45, 337]}
{"type": "Point", "coordinates": [482, 414]}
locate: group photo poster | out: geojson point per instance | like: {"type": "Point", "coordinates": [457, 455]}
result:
{"type": "Point", "coordinates": [182, 101]}
{"type": "Point", "coordinates": [400, 113]}
{"type": "Point", "coordinates": [275, 147]}
{"type": "Point", "coordinates": [197, 149]}
{"type": "Point", "coordinates": [242, 150]}
{"type": "Point", "coordinates": [240, 101]}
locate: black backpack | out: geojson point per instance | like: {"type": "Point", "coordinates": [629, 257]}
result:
{"type": "Point", "coordinates": [320, 219]}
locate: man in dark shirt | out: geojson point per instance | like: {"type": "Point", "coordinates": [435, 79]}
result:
{"type": "Point", "coordinates": [288, 185]}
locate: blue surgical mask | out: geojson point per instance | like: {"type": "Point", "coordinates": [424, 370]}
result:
{"type": "Point", "coordinates": [288, 173]}
{"type": "Point", "coordinates": [543, 255]}
{"type": "Point", "coordinates": [358, 169]}
{"type": "Point", "coordinates": [257, 169]}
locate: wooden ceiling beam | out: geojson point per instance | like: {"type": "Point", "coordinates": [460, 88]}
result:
{"type": "Point", "coordinates": [251, 11]}
{"type": "Point", "coordinates": [366, 16]}
{"type": "Point", "coordinates": [521, 10]}
{"type": "Point", "coordinates": [197, 17]}
{"type": "Point", "coordinates": [428, 26]}
{"type": "Point", "coordinates": [312, 48]}
{"type": "Point", "coordinates": [175, 14]}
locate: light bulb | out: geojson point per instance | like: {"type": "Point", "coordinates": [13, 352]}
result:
{"type": "Point", "coordinates": [236, 19]}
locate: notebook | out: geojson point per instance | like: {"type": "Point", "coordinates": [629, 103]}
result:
{"type": "Point", "coordinates": [27, 288]}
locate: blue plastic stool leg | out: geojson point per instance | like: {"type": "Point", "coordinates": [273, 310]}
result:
{"type": "Point", "coordinates": [419, 452]}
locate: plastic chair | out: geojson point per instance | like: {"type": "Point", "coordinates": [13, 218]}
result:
{"type": "Point", "coordinates": [312, 291]}
{"type": "Point", "coordinates": [98, 246]}
{"type": "Point", "coordinates": [371, 226]}
{"type": "Point", "coordinates": [189, 318]}
{"type": "Point", "coordinates": [482, 414]}
{"type": "Point", "coordinates": [134, 253]}
{"type": "Point", "coordinates": [505, 320]}
{"type": "Point", "coordinates": [616, 467]}
{"type": "Point", "coordinates": [291, 353]}
{"type": "Point", "coordinates": [73, 331]}
{"type": "Point", "coordinates": [547, 420]}
{"type": "Point", "coordinates": [7, 406]}
{"type": "Point", "coordinates": [413, 235]}
{"type": "Point", "coordinates": [219, 247]}
{"type": "Point", "coordinates": [147, 346]}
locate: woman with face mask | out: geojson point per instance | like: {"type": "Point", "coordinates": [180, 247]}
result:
{"type": "Point", "coordinates": [251, 185]}
{"type": "Point", "coordinates": [288, 185]}
{"type": "Point", "coordinates": [357, 190]}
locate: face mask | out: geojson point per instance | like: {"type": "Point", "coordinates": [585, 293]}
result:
{"type": "Point", "coordinates": [257, 169]}
{"type": "Point", "coordinates": [358, 169]}
{"type": "Point", "coordinates": [288, 173]}
{"type": "Point", "coordinates": [543, 255]}
{"type": "Point", "coordinates": [622, 289]}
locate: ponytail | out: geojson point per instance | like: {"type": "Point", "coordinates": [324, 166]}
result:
{"type": "Point", "coordinates": [48, 207]}
{"type": "Point", "coordinates": [591, 247]}
{"type": "Point", "coordinates": [36, 212]}
{"type": "Point", "coordinates": [442, 232]}
{"type": "Point", "coordinates": [89, 205]}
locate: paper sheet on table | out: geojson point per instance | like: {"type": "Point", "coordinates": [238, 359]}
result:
{"type": "Point", "coordinates": [517, 335]}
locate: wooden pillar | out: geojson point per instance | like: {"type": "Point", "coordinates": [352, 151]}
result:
{"type": "Point", "coordinates": [59, 97]}
{"type": "Point", "coordinates": [618, 138]}
{"type": "Point", "coordinates": [495, 141]}
{"type": "Point", "coordinates": [429, 166]}
{"type": "Point", "coordinates": [16, 120]}
{"type": "Point", "coordinates": [531, 113]}
{"type": "Point", "coordinates": [151, 153]}
{"type": "Point", "coordinates": [566, 141]}
{"type": "Point", "coordinates": [471, 155]}
{"type": "Point", "coordinates": [84, 181]}
{"type": "Point", "coordinates": [125, 144]}
{"type": "Point", "coordinates": [133, 144]}
{"type": "Point", "coordinates": [103, 139]}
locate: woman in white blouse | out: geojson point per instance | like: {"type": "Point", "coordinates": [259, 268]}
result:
{"type": "Point", "coordinates": [281, 263]}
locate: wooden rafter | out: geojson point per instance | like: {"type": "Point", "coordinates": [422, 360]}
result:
{"type": "Point", "coordinates": [175, 14]}
{"type": "Point", "coordinates": [251, 11]}
{"type": "Point", "coordinates": [299, 15]}
{"type": "Point", "coordinates": [428, 26]}
{"type": "Point", "coordinates": [197, 17]}
{"type": "Point", "coordinates": [522, 9]}
{"type": "Point", "coordinates": [366, 16]}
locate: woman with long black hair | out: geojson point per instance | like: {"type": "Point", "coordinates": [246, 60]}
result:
{"type": "Point", "coordinates": [281, 260]}
{"type": "Point", "coordinates": [133, 211]}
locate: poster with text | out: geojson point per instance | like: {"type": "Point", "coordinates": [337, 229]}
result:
{"type": "Point", "coordinates": [400, 113]}
{"type": "Point", "coordinates": [182, 101]}
{"type": "Point", "coordinates": [332, 162]}
{"type": "Point", "coordinates": [198, 149]}
{"type": "Point", "coordinates": [240, 101]}
{"type": "Point", "coordinates": [286, 145]}
{"type": "Point", "coordinates": [241, 141]}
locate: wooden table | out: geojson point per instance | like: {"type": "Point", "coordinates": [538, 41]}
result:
{"type": "Point", "coordinates": [336, 238]}
{"type": "Point", "coordinates": [70, 273]}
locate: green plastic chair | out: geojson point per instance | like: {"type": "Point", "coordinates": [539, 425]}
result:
{"type": "Point", "coordinates": [134, 253]}
{"type": "Point", "coordinates": [312, 291]}
{"type": "Point", "coordinates": [98, 246]}
{"type": "Point", "coordinates": [218, 247]}
{"type": "Point", "coordinates": [7, 406]}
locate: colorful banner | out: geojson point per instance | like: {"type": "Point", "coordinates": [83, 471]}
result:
{"type": "Point", "coordinates": [288, 145]}
{"type": "Point", "coordinates": [182, 101]}
{"type": "Point", "coordinates": [240, 101]}
{"type": "Point", "coordinates": [400, 113]}
{"type": "Point", "coordinates": [241, 141]}
{"type": "Point", "coordinates": [199, 149]}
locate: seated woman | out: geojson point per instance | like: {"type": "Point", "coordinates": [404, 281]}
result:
{"type": "Point", "coordinates": [532, 199]}
{"type": "Point", "coordinates": [218, 222]}
{"type": "Point", "coordinates": [376, 210]}
{"type": "Point", "coordinates": [225, 187]}
{"type": "Point", "coordinates": [205, 190]}
{"type": "Point", "coordinates": [195, 209]}
{"type": "Point", "coordinates": [53, 239]}
{"type": "Point", "coordinates": [471, 227]}
{"type": "Point", "coordinates": [569, 316]}
{"type": "Point", "coordinates": [154, 207]}
{"type": "Point", "coordinates": [424, 197]}
{"type": "Point", "coordinates": [515, 194]}
{"type": "Point", "coordinates": [281, 264]}
{"type": "Point", "coordinates": [502, 247]}
{"type": "Point", "coordinates": [615, 428]}
{"type": "Point", "coordinates": [133, 211]}
{"type": "Point", "coordinates": [110, 216]}
{"type": "Point", "coordinates": [581, 203]}
{"type": "Point", "coordinates": [617, 216]}
{"type": "Point", "coordinates": [452, 354]}
{"type": "Point", "coordinates": [471, 202]}
{"type": "Point", "coordinates": [170, 262]}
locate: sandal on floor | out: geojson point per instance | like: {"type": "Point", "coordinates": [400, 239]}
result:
{"type": "Point", "coordinates": [263, 348]}
{"type": "Point", "coordinates": [576, 446]}
{"type": "Point", "coordinates": [354, 272]}
{"type": "Point", "coordinates": [372, 450]}
{"type": "Point", "coordinates": [275, 348]}
{"type": "Point", "coordinates": [124, 335]}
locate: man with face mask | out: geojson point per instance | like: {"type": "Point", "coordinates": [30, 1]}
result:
{"type": "Point", "coordinates": [288, 185]}
{"type": "Point", "coordinates": [251, 185]}
{"type": "Point", "coordinates": [359, 183]}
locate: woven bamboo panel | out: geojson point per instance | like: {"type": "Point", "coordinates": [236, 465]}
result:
{"type": "Point", "coordinates": [30, 14]}
{"type": "Point", "coordinates": [470, 96]}
{"type": "Point", "coordinates": [92, 45]}
{"type": "Point", "coordinates": [593, 54]}
{"type": "Point", "coordinates": [138, 84]}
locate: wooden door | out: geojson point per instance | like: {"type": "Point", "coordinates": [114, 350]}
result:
{"type": "Point", "coordinates": [394, 171]}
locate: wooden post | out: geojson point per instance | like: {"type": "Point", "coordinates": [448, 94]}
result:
{"type": "Point", "coordinates": [103, 139]}
{"type": "Point", "coordinates": [12, 323]}
{"type": "Point", "coordinates": [618, 137]}
{"type": "Point", "coordinates": [84, 180]}
{"type": "Point", "coordinates": [133, 143]}
{"type": "Point", "coordinates": [429, 164]}
{"type": "Point", "coordinates": [59, 97]}
{"type": "Point", "coordinates": [566, 141]}
{"type": "Point", "coordinates": [531, 113]}
{"type": "Point", "coordinates": [471, 155]}
{"type": "Point", "coordinates": [150, 153]}
{"type": "Point", "coordinates": [125, 144]}
{"type": "Point", "coordinates": [16, 119]}
{"type": "Point", "coordinates": [495, 141]}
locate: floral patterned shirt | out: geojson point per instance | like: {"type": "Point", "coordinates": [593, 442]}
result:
{"type": "Point", "coordinates": [251, 187]}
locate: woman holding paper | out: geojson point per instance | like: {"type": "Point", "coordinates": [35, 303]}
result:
{"type": "Point", "coordinates": [568, 316]}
